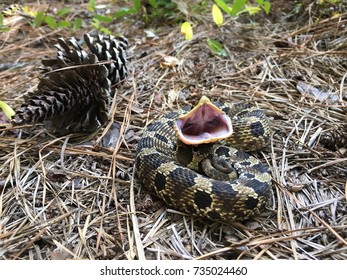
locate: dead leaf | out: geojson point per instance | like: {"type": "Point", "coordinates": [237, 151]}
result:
{"type": "Point", "coordinates": [110, 139]}
{"type": "Point", "coordinates": [60, 254]}
{"type": "Point", "coordinates": [169, 61]}
{"type": "Point", "coordinates": [306, 89]}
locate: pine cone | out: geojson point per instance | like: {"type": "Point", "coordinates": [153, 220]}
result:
{"type": "Point", "coordinates": [335, 139]}
{"type": "Point", "coordinates": [73, 95]}
{"type": "Point", "coordinates": [109, 48]}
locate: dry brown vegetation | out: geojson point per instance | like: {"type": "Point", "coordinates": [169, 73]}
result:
{"type": "Point", "coordinates": [60, 200]}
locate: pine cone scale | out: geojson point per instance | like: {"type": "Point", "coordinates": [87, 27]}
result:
{"type": "Point", "coordinates": [74, 93]}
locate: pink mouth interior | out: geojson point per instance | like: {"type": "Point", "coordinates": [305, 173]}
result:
{"type": "Point", "coordinates": [204, 125]}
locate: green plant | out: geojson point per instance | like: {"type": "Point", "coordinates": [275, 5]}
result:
{"type": "Point", "coordinates": [330, 1]}
{"type": "Point", "coordinates": [8, 111]}
{"type": "Point", "coordinates": [158, 10]}
{"type": "Point", "coordinates": [98, 20]}
{"type": "Point", "coordinates": [243, 6]}
{"type": "Point", "coordinates": [238, 7]}
{"type": "Point", "coordinates": [54, 21]}
{"type": "Point", "coordinates": [3, 28]}
{"type": "Point", "coordinates": [125, 11]}
{"type": "Point", "coordinates": [61, 18]}
{"type": "Point", "coordinates": [149, 10]}
{"type": "Point", "coordinates": [216, 48]}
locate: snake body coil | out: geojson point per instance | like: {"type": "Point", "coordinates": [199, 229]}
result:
{"type": "Point", "coordinates": [172, 170]}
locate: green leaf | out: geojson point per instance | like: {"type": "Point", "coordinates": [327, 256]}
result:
{"type": "Point", "coordinates": [217, 15]}
{"type": "Point", "coordinates": [153, 3]}
{"type": "Point", "coordinates": [137, 6]}
{"type": "Point", "coordinates": [39, 19]}
{"type": "Point", "coordinates": [51, 22]}
{"type": "Point", "coordinates": [250, 9]}
{"type": "Point", "coordinates": [62, 12]}
{"type": "Point", "coordinates": [123, 12]}
{"type": "Point", "coordinates": [223, 6]}
{"type": "Point", "coordinates": [105, 30]}
{"type": "Point", "coordinates": [216, 48]}
{"type": "Point", "coordinates": [64, 24]}
{"type": "Point", "coordinates": [91, 5]}
{"type": "Point", "coordinates": [8, 111]}
{"type": "Point", "coordinates": [266, 7]}
{"type": "Point", "coordinates": [95, 23]}
{"type": "Point", "coordinates": [187, 30]}
{"type": "Point", "coordinates": [3, 28]}
{"type": "Point", "coordinates": [237, 6]}
{"type": "Point", "coordinates": [260, 2]}
{"type": "Point", "coordinates": [77, 24]}
{"type": "Point", "coordinates": [103, 18]}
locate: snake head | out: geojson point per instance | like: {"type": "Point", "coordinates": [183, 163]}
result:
{"type": "Point", "coordinates": [205, 123]}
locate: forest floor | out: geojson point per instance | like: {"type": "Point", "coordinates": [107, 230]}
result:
{"type": "Point", "coordinates": [60, 200]}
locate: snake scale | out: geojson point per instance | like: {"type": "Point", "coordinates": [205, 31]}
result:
{"type": "Point", "coordinates": [175, 172]}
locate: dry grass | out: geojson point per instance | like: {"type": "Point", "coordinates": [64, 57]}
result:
{"type": "Point", "coordinates": [60, 200]}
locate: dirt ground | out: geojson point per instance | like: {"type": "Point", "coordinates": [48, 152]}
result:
{"type": "Point", "coordinates": [62, 200]}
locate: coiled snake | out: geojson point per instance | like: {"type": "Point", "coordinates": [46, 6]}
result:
{"type": "Point", "coordinates": [176, 162]}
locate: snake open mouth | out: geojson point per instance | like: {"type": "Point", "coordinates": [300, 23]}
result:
{"type": "Point", "coordinates": [205, 123]}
